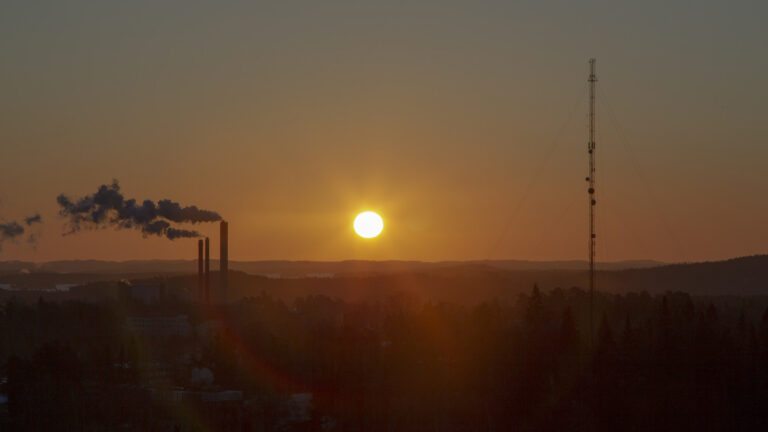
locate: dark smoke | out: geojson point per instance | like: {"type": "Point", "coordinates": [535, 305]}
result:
{"type": "Point", "coordinates": [13, 229]}
{"type": "Point", "coordinates": [108, 207]}
{"type": "Point", "coordinates": [29, 220]}
{"type": "Point", "coordinates": [10, 230]}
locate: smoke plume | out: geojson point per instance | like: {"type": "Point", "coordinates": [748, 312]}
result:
{"type": "Point", "coordinates": [29, 220]}
{"type": "Point", "coordinates": [108, 207]}
{"type": "Point", "coordinates": [12, 230]}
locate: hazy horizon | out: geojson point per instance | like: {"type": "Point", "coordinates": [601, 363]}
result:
{"type": "Point", "coordinates": [216, 259]}
{"type": "Point", "coordinates": [463, 125]}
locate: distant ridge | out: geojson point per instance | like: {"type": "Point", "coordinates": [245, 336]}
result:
{"type": "Point", "coordinates": [293, 269]}
{"type": "Point", "coordinates": [371, 280]}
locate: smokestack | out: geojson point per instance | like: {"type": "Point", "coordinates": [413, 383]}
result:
{"type": "Point", "coordinates": [207, 271]}
{"type": "Point", "coordinates": [200, 274]}
{"type": "Point", "coordinates": [224, 259]}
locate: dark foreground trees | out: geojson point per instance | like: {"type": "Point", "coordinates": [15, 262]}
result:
{"type": "Point", "coordinates": [668, 362]}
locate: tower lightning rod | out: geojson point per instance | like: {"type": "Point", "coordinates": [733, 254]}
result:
{"type": "Point", "coordinates": [591, 179]}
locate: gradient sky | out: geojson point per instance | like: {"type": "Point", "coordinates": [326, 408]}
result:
{"type": "Point", "coordinates": [462, 123]}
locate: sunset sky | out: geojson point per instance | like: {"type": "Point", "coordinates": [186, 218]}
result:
{"type": "Point", "coordinates": [462, 123]}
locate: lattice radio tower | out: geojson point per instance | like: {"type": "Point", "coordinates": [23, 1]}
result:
{"type": "Point", "coordinates": [591, 191]}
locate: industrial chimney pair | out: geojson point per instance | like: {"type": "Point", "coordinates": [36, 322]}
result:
{"type": "Point", "coordinates": [204, 266]}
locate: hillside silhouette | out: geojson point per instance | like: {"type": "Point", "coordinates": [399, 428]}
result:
{"type": "Point", "coordinates": [455, 282]}
{"type": "Point", "coordinates": [284, 268]}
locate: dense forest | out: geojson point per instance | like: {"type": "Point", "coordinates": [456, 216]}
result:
{"type": "Point", "coordinates": [662, 362]}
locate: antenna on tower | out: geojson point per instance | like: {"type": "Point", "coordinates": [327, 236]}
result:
{"type": "Point", "coordinates": [591, 191]}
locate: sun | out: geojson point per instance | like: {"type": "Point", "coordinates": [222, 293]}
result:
{"type": "Point", "coordinates": [368, 224]}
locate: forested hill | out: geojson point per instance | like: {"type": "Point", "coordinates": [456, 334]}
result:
{"type": "Point", "coordinates": [471, 283]}
{"type": "Point", "coordinates": [737, 276]}
{"type": "Point", "coordinates": [459, 282]}
{"type": "Point", "coordinates": [294, 269]}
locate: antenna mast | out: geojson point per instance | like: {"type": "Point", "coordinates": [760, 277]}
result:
{"type": "Point", "coordinates": [591, 179]}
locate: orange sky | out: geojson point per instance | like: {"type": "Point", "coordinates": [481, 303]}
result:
{"type": "Point", "coordinates": [463, 125]}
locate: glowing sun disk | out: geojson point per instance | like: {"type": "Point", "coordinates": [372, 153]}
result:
{"type": "Point", "coordinates": [368, 224]}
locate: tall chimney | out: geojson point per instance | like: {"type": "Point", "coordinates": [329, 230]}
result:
{"type": "Point", "coordinates": [224, 259]}
{"type": "Point", "coordinates": [207, 271]}
{"type": "Point", "coordinates": [200, 274]}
